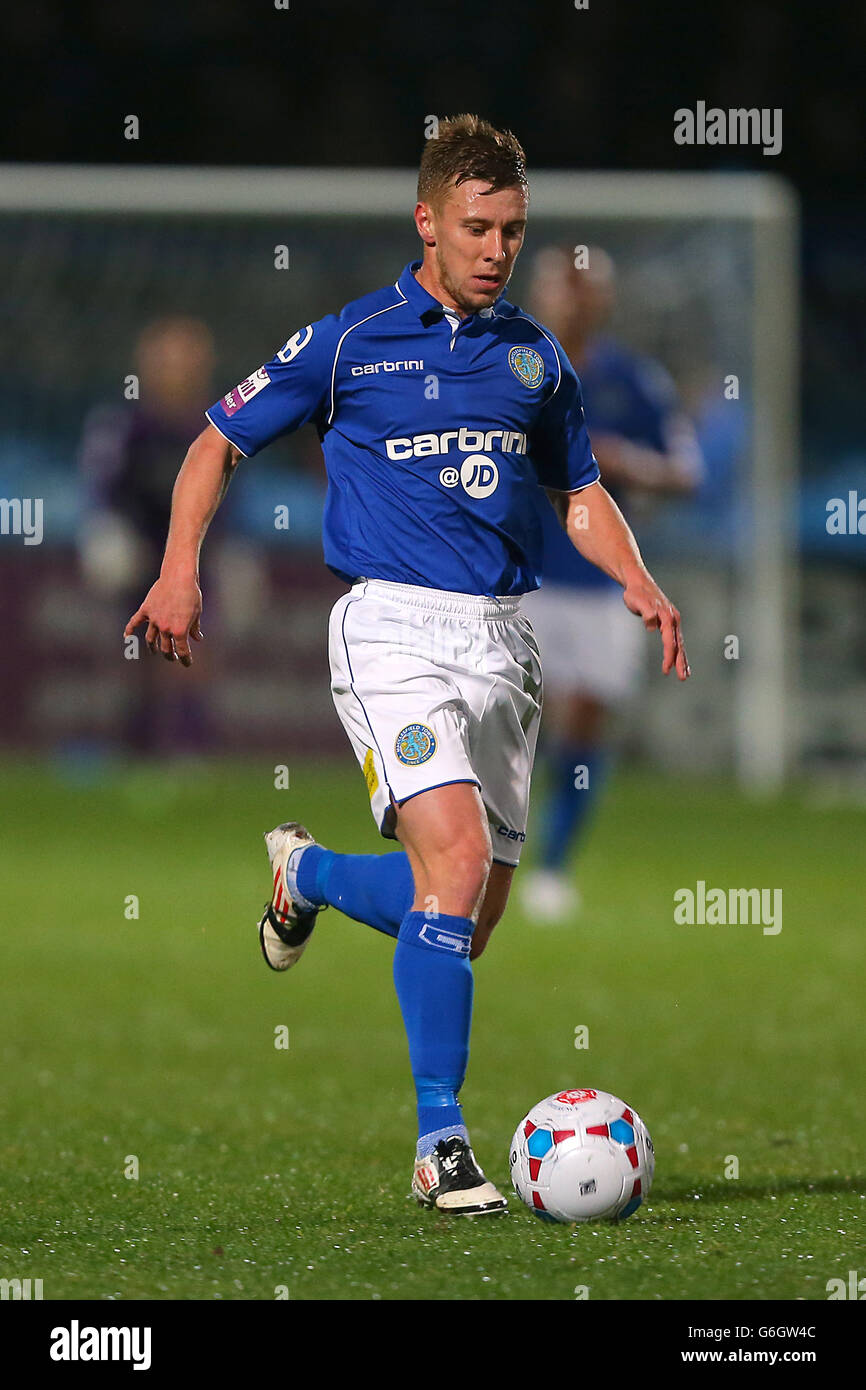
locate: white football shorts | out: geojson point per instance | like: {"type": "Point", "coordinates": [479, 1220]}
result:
{"type": "Point", "coordinates": [434, 687]}
{"type": "Point", "coordinates": [589, 641]}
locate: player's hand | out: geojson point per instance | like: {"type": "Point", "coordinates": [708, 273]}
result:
{"type": "Point", "coordinates": [644, 597]}
{"type": "Point", "coordinates": [173, 612]}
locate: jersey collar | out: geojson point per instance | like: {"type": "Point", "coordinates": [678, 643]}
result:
{"type": "Point", "coordinates": [428, 309]}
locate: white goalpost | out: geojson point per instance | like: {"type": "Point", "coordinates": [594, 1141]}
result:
{"type": "Point", "coordinates": [352, 204]}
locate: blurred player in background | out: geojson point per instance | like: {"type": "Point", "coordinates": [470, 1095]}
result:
{"type": "Point", "coordinates": [591, 648]}
{"type": "Point", "coordinates": [129, 458]}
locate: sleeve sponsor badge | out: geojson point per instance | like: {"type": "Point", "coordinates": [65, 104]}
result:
{"type": "Point", "coordinates": [245, 390]}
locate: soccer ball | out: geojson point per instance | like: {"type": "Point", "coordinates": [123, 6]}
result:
{"type": "Point", "coordinates": [582, 1156]}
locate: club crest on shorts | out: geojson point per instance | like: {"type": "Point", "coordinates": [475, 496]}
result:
{"type": "Point", "coordinates": [415, 744]}
{"type": "Point", "coordinates": [527, 365]}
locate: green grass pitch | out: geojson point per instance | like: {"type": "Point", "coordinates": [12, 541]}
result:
{"type": "Point", "coordinates": [266, 1171]}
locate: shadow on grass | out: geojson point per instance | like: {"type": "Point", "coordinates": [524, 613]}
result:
{"type": "Point", "coordinates": [736, 1191]}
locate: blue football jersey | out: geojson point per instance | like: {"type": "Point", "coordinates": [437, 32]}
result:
{"type": "Point", "coordinates": [436, 432]}
{"type": "Point", "coordinates": [624, 394]}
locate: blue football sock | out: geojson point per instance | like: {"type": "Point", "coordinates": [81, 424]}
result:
{"type": "Point", "coordinates": [374, 888]}
{"type": "Point", "coordinates": [575, 777]}
{"type": "Point", "coordinates": [434, 984]}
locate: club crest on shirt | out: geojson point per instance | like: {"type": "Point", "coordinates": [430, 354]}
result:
{"type": "Point", "coordinates": [415, 744]}
{"type": "Point", "coordinates": [528, 365]}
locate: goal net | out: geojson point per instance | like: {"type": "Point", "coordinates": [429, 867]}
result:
{"type": "Point", "coordinates": [707, 285]}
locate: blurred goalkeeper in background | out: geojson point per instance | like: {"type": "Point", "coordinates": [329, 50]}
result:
{"type": "Point", "coordinates": [590, 645]}
{"type": "Point", "coordinates": [129, 455]}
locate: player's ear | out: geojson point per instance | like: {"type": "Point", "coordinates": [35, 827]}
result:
{"type": "Point", "coordinates": [425, 221]}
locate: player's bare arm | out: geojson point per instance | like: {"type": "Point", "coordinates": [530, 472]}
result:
{"type": "Point", "coordinates": [172, 608]}
{"type": "Point", "coordinates": [598, 529]}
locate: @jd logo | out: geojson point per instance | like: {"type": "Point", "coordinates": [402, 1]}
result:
{"type": "Point", "coordinates": [527, 365]}
{"type": "Point", "coordinates": [478, 474]}
{"type": "Point", "coordinates": [415, 744]}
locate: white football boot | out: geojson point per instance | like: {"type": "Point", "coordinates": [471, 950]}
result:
{"type": "Point", "coordinates": [449, 1180]}
{"type": "Point", "coordinates": [549, 897]}
{"type": "Point", "coordinates": [289, 917]}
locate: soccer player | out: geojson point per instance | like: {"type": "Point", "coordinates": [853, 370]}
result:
{"type": "Point", "coordinates": [591, 648]}
{"type": "Point", "coordinates": [129, 454]}
{"type": "Point", "coordinates": [441, 409]}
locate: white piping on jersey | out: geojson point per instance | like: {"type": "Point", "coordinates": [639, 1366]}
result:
{"type": "Point", "coordinates": [401, 301]}
{"type": "Point", "coordinates": [454, 321]}
{"type": "Point", "coordinates": [225, 436]}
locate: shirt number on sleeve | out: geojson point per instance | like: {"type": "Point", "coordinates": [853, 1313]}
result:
{"type": "Point", "coordinates": [295, 344]}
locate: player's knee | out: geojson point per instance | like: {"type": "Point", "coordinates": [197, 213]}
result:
{"type": "Point", "coordinates": [471, 866]}
{"type": "Point", "coordinates": [461, 875]}
{"type": "Point", "coordinates": [480, 938]}
{"type": "Point", "coordinates": [487, 919]}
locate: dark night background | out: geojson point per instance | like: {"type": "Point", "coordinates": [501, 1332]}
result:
{"type": "Point", "coordinates": [224, 82]}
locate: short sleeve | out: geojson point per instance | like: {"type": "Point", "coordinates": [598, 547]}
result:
{"type": "Point", "coordinates": [282, 395]}
{"type": "Point", "coordinates": [559, 446]}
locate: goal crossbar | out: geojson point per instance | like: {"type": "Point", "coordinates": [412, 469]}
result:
{"type": "Point", "coordinates": [764, 203]}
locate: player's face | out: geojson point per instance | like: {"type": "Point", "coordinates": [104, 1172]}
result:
{"type": "Point", "coordinates": [472, 238]}
{"type": "Point", "coordinates": [175, 360]}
